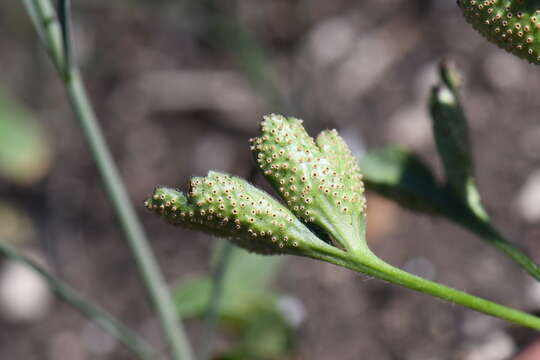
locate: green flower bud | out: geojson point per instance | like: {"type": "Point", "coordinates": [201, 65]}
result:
{"type": "Point", "coordinates": [513, 25]}
{"type": "Point", "coordinates": [320, 182]}
{"type": "Point", "coordinates": [229, 207]}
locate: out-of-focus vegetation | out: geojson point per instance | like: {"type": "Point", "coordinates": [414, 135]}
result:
{"type": "Point", "coordinates": [163, 70]}
{"type": "Point", "coordinates": [25, 153]}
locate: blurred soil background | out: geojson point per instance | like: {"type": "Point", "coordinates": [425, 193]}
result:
{"type": "Point", "coordinates": [180, 86]}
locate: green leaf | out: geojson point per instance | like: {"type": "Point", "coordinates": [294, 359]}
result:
{"type": "Point", "coordinates": [249, 272]}
{"type": "Point", "coordinates": [192, 297]}
{"type": "Point", "coordinates": [266, 336]}
{"type": "Point", "coordinates": [401, 176]}
{"type": "Point", "coordinates": [245, 287]}
{"type": "Point", "coordinates": [451, 131]}
{"type": "Point", "coordinates": [25, 153]}
{"type": "Point", "coordinates": [246, 304]}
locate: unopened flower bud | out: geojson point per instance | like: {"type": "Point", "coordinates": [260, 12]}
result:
{"type": "Point", "coordinates": [513, 25]}
{"type": "Point", "coordinates": [229, 207]}
{"type": "Point", "coordinates": [320, 182]}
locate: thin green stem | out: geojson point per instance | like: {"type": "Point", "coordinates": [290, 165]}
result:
{"type": "Point", "coordinates": [218, 277]}
{"type": "Point", "coordinates": [103, 319]}
{"type": "Point", "coordinates": [114, 186]}
{"type": "Point", "coordinates": [64, 11]}
{"type": "Point", "coordinates": [43, 17]}
{"type": "Point", "coordinates": [400, 277]}
{"type": "Point", "coordinates": [373, 266]}
{"type": "Point", "coordinates": [132, 228]}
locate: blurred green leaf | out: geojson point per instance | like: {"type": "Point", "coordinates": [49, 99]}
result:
{"type": "Point", "coordinates": [401, 176]}
{"type": "Point", "coordinates": [451, 131]}
{"type": "Point", "coordinates": [247, 305]}
{"type": "Point", "coordinates": [266, 336]}
{"type": "Point", "coordinates": [245, 287]}
{"type": "Point", "coordinates": [25, 152]}
{"type": "Point", "coordinates": [249, 272]}
{"type": "Point", "coordinates": [192, 297]}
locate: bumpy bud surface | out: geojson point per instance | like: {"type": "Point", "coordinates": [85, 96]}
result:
{"type": "Point", "coordinates": [514, 25]}
{"type": "Point", "coordinates": [229, 207]}
{"type": "Point", "coordinates": [320, 182]}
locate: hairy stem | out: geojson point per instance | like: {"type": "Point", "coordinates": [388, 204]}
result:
{"type": "Point", "coordinates": [373, 266]}
{"type": "Point", "coordinates": [103, 319]}
{"type": "Point", "coordinates": [46, 22]}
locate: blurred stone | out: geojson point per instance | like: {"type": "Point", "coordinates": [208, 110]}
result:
{"type": "Point", "coordinates": [422, 267]}
{"type": "Point", "coordinates": [533, 293]}
{"type": "Point", "coordinates": [423, 354]}
{"type": "Point", "coordinates": [528, 200]}
{"type": "Point", "coordinates": [530, 146]}
{"type": "Point", "coordinates": [477, 326]}
{"type": "Point", "coordinates": [354, 141]}
{"type": "Point", "coordinates": [292, 309]}
{"type": "Point", "coordinates": [496, 346]}
{"type": "Point", "coordinates": [150, 330]}
{"type": "Point", "coordinates": [427, 77]}
{"type": "Point", "coordinates": [488, 269]}
{"type": "Point", "coordinates": [331, 40]}
{"type": "Point", "coordinates": [24, 295]}
{"type": "Point", "coordinates": [514, 75]}
{"type": "Point", "coordinates": [410, 126]}
{"type": "Point", "coordinates": [214, 151]}
{"type": "Point", "coordinates": [211, 90]}
{"type": "Point", "coordinates": [96, 340]}
{"type": "Point", "coordinates": [372, 55]}
{"type": "Point", "coordinates": [66, 345]}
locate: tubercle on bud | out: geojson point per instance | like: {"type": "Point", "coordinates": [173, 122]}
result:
{"type": "Point", "coordinates": [340, 156]}
{"type": "Point", "coordinates": [229, 207]}
{"type": "Point", "coordinates": [320, 182]}
{"type": "Point", "coordinates": [513, 25]}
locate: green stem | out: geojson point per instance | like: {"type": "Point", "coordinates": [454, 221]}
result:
{"type": "Point", "coordinates": [43, 17]}
{"type": "Point", "coordinates": [146, 262]}
{"type": "Point", "coordinates": [132, 228]}
{"type": "Point", "coordinates": [103, 319]}
{"type": "Point", "coordinates": [373, 266]}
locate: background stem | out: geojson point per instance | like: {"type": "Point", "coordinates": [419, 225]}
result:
{"type": "Point", "coordinates": [218, 275]}
{"type": "Point", "coordinates": [129, 222]}
{"type": "Point", "coordinates": [103, 319]}
{"type": "Point", "coordinates": [45, 20]}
